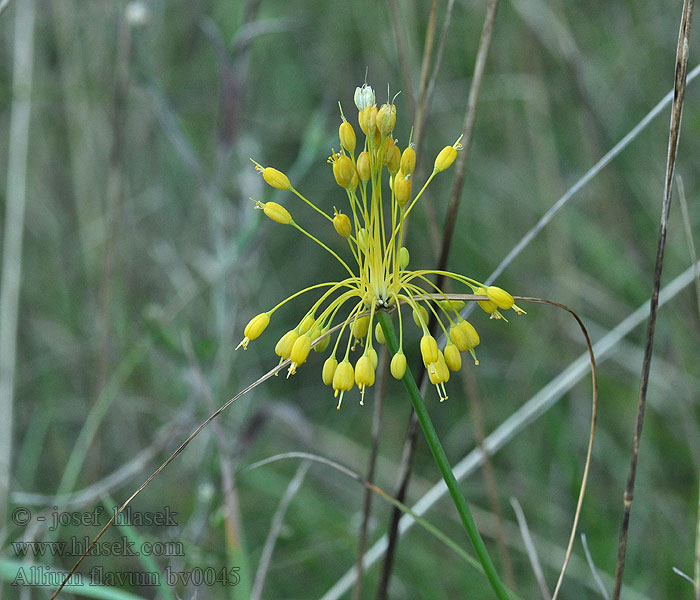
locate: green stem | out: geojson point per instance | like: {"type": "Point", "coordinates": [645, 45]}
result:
{"type": "Point", "coordinates": [431, 437]}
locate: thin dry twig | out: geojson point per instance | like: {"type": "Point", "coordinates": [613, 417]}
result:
{"type": "Point", "coordinates": [591, 437]}
{"type": "Point", "coordinates": [530, 548]}
{"type": "Point", "coordinates": [674, 135]}
{"type": "Point", "coordinates": [232, 521]}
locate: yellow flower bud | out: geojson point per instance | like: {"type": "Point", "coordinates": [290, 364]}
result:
{"type": "Point", "coordinates": [362, 120]}
{"type": "Point", "coordinates": [453, 358]}
{"type": "Point", "coordinates": [445, 158]}
{"type": "Point", "coordinates": [283, 349]}
{"type": "Point", "coordinates": [386, 118]}
{"type": "Point", "coordinates": [306, 324]}
{"type": "Point", "coordinates": [354, 181]}
{"type": "Point", "coordinates": [368, 120]}
{"type": "Point", "coordinates": [363, 166]}
{"type": "Point", "coordinates": [343, 170]}
{"type": "Point", "coordinates": [320, 347]}
{"type": "Point", "coordinates": [254, 329]}
{"type": "Point", "coordinates": [360, 327]}
{"type": "Point", "coordinates": [500, 297]}
{"type": "Point", "coordinates": [394, 162]}
{"type": "Point", "coordinates": [276, 178]}
{"type": "Point", "coordinates": [388, 149]}
{"type": "Point", "coordinates": [329, 368]}
{"type": "Point", "coordinates": [398, 365]}
{"type": "Point", "coordinates": [276, 212]}
{"type": "Point", "coordinates": [364, 373]}
{"type": "Point", "coordinates": [429, 349]}
{"type": "Point", "coordinates": [421, 317]}
{"type": "Point", "coordinates": [300, 351]}
{"type": "Point", "coordinates": [256, 326]}
{"type": "Point", "coordinates": [347, 136]}
{"type": "Point", "coordinates": [470, 334]}
{"type": "Point", "coordinates": [342, 225]}
{"type": "Point", "coordinates": [379, 334]}
{"type": "Point", "coordinates": [443, 371]}
{"type": "Point", "coordinates": [372, 120]}
{"type": "Point", "coordinates": [372, 353]}
{"type": "Point", "coordinates": [404, 257]}
{"type": "Point", "coordinates": [452, 305]}
{"type": "Point", "coordinates": [402, 189]}
{"type": "Point", "coordinates": [459, 337]}
{"type": "Point", "coordinates": [487, 305]}
{"type": "Point", "coordinates": [408, 161]}
{"type": "Point", "coordinates": [439, 374]}
{"type": "Point", "coordinates": [343, 379]}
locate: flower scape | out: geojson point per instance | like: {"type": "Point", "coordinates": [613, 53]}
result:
{"type": "Point", "coordinates": [373, 228]}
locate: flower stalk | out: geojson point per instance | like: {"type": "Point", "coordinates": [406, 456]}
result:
{"type": "Point", "coordinates": [431, 437]}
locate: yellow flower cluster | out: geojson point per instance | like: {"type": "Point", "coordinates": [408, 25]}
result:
{"type": "Point", "coordinates": [373, 230]}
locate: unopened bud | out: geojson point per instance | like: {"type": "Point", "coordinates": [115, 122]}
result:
{"type": "Point", "coordinates": [386, 118]}
{"type": "Point", "coordinates": [402, 189]}
{"type": "Point", "coordinates": [408, 161]}
{"type": "Point", "coordinates": [342, 225]}
{"type": "Point", "coordinates": [343, 170]}
{"type": "Point", "coordinates": [276, 178]}
{"type": "Point", "coordinates": [347, 136]}
{"type": "Point", "coordinates": [363, 166]}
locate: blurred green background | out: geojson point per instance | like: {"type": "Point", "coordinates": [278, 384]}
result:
{"type": "Point", "coordinates": [143, 260]}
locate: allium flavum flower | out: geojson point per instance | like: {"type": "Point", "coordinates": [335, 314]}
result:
{"type": "Point", "coordinates": [381, 280]}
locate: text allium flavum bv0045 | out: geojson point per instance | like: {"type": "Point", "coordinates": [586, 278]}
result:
{"type": "Point", "coordinates": [379, 278]}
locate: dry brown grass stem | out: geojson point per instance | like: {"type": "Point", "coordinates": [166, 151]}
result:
{"type": "Point", "coordinates": [681, 71]}
{"type": "Point", "coordinates": [232, 520]}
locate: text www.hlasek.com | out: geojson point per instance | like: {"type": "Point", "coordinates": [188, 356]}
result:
{"type": "Point", "coordinates": [77, 546]}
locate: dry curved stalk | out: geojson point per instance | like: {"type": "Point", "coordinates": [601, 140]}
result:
{"type": "Point", "coordinates": [591, 437]}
